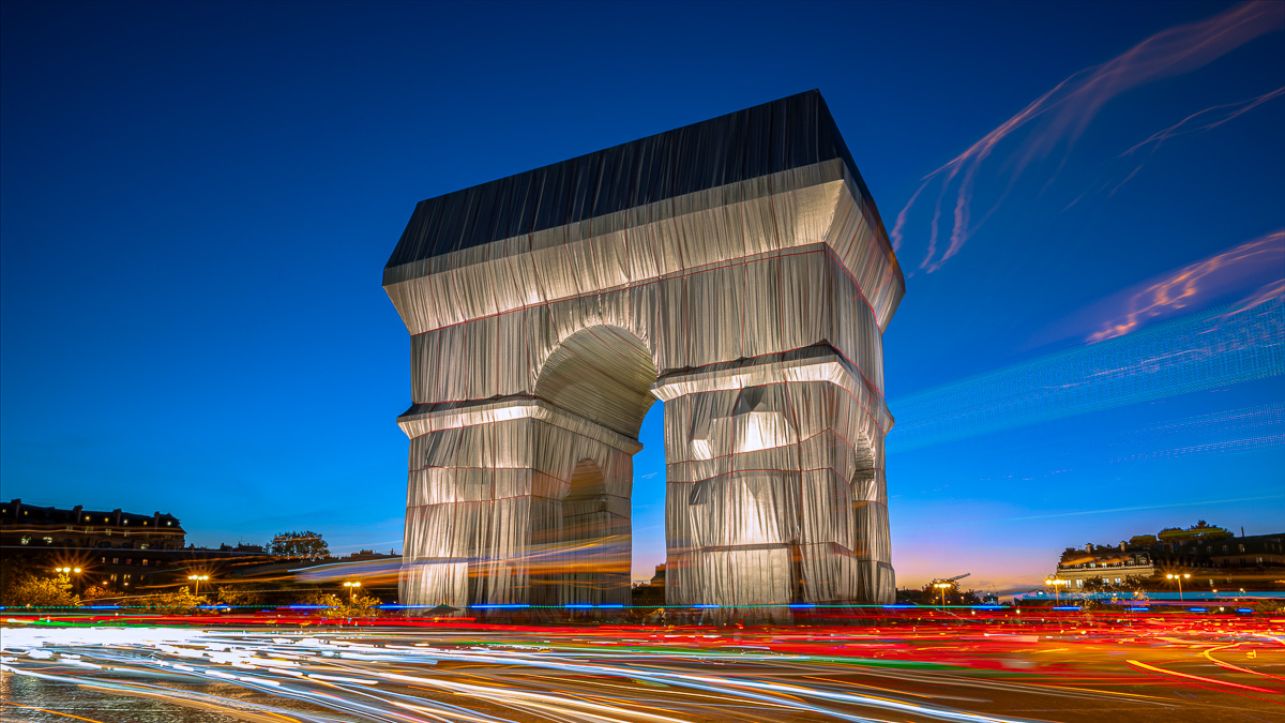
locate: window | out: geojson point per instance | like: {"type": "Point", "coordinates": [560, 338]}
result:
{"type": "Point", "coordinates": [25, 540]}
{"type": "Point", "coordinates": [48, 540]}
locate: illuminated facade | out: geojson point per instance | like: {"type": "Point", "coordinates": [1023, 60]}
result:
{"type": "Point", "coordinates": [735, 269]}
{"type": "Point", "coordinates": [1213, 557]}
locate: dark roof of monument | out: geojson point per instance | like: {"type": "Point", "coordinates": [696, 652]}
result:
{"type": "Point", "coordinates": [792, 132]}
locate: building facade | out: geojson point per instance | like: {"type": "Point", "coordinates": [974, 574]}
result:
{"type": "Point", "coordinates": [1213, 557]}
{"type": "Point", "coordinates": [116, 551]}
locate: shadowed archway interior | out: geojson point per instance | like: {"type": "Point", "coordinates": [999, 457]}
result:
{"type": "Point", "coordinates": [603, 373]}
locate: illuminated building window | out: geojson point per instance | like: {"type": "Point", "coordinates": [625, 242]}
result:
{"type": "Point", "coordinates": [143, 546]}
{"type": "Point", "coordinates": [25, 540]}
{"type": "Point", "coordinates": [49, 540]}
{"type": "Point", "coordinates": [115, 561]}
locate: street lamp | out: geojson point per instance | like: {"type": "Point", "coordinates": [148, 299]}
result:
{"type": "Point", "coordinates": [64, 576]}
{"type": "Point", "coordinates": [1179, 577]}
{"type": "Point", "coordinates": [352, 586]}
{"type": "Point", "coordinates": [942, 587]}
{"type": "Point", "coordinates": [198, 579]}
{"type": "Point", "coordinates": [1055, 583]}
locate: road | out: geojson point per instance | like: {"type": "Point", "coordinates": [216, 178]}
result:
{"type": "Point", "coordinates": [988, 668]}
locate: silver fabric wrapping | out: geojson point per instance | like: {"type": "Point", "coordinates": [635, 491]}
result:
{"type": "Point", "coordinates": [753, 309]}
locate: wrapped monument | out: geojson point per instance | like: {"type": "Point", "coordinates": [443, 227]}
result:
{"type": "Point", "coordinates": [735, 269]}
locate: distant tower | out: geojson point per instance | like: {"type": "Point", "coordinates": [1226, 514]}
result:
{"type": "Point", "coordinates": [735, 269]}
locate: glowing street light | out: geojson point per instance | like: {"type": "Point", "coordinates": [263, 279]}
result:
{"type": "Point", "coordinates": [1179, 577]}
{"type": "Point", "coordinates": [1056, 583]}
{"type": "Point", "coordinates": [352, 586]}
{"type": "Point", "coordinates": [942, 587]}
{"type": "Point", "coordinates": [198, 579]}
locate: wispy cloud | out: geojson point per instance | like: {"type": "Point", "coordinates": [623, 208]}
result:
{"type": "Point", "coordinates": [1067, 109]}
{"type": "Point", "coordinates": [1188, 353]}
{"type": "Point", "coordinates": [1204, 120]}
{"type": "Point", "coordinates": [1205, 279]}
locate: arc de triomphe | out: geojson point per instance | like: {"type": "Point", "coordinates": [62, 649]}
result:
{"type": "Point", "coordinates": [735, 269]}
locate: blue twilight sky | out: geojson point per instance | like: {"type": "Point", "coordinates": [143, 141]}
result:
{"type": "Point", "coordinates": [198, 199]}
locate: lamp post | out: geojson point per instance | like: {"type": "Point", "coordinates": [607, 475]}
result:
{"type": "Point", "coordinates": [352, 586]}
{"type": "Point", "coordinates": [197, 580]}
{"type": "Point", "coordinates": [942, 587]}
{"type": "Point", "coordinates": [1056, 583]}
{"type": "Point", "coordinates": [65, 576]}
{"type": "Point", "coordinates": [1179, 577]}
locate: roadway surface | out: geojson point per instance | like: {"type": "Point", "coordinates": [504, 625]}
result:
{"type": "Point", "coordinates": [976, 668]}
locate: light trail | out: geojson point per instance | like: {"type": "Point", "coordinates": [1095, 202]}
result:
{"type": "Point", "coordinates": [841, 665]}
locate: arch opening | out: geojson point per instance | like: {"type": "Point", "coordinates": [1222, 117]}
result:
{"type": "Point", "coordinates": [604, 374]}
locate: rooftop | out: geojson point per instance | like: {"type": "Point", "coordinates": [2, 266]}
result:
{"type": "Point", "coordinates": [780, 135]}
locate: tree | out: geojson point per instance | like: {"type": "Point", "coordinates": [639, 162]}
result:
{"type": "Point", "coordinates": [238, 596]}
{"type": "Point", "coordinates": [306, 545]}
{"type": "Point", "coordinates": [183, 601]}
{"type": "Point", "coordinates": [39, 591]}
{"type": "Point", "coordinates": [96, 592]}
{"type": "Point", "coordinates": [358, 606]}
